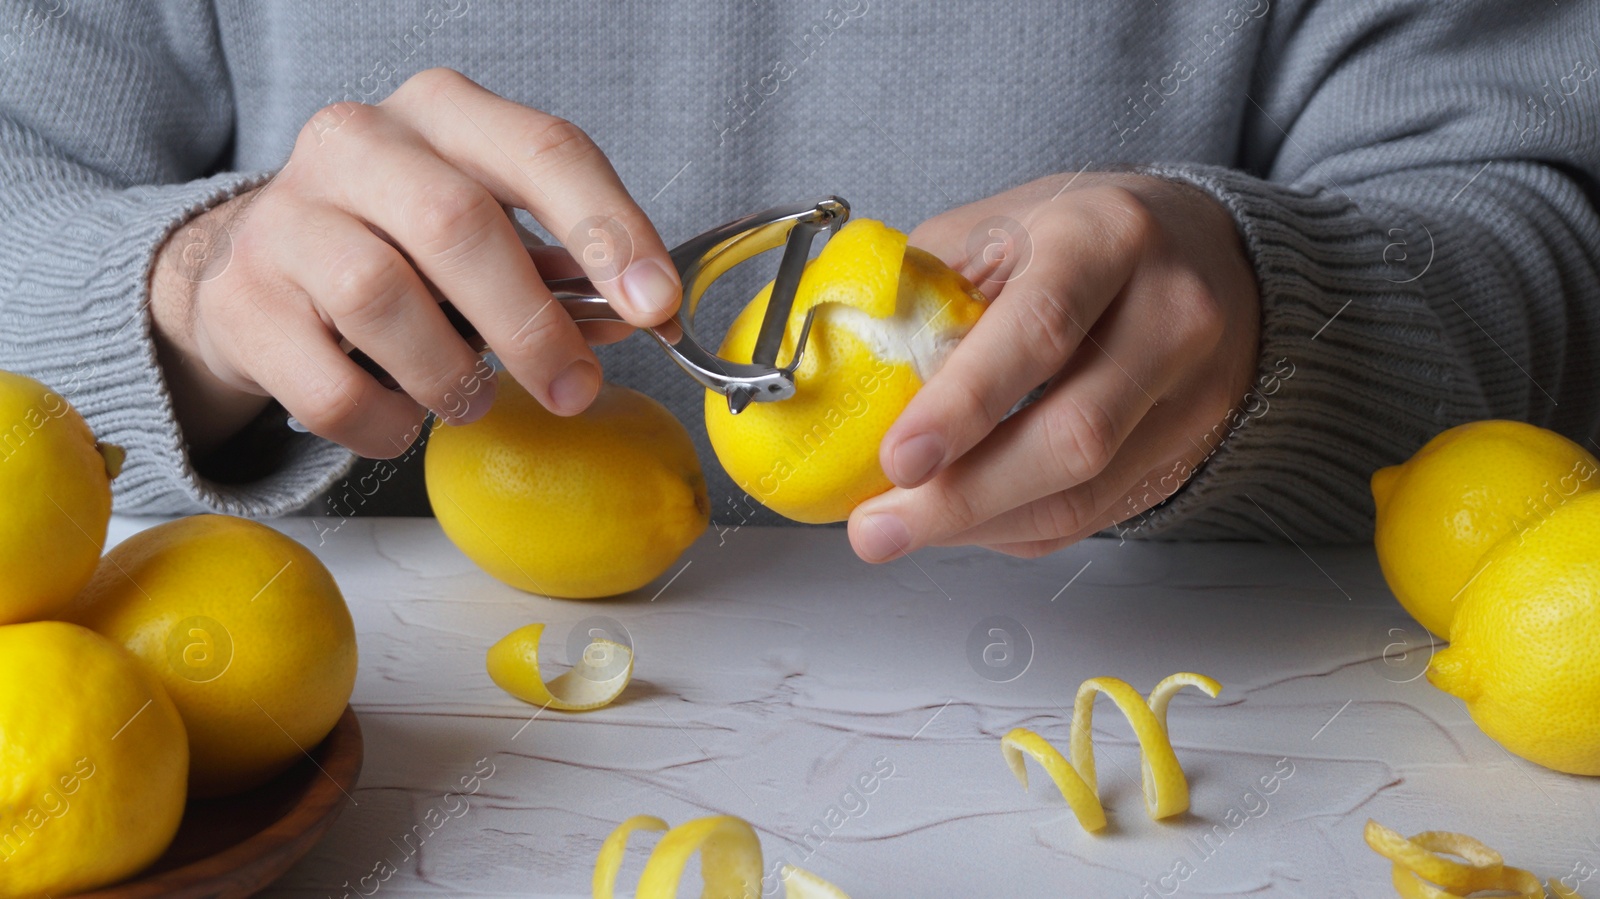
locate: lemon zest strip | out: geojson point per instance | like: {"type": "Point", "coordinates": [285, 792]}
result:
{"type": "Point", "coordinates": [1420, 855]}
{"type": "Point", "coordinates": [1080, 796]}
{"type": "Point", "coordinates": [615, 846]}
{"type": "Point", "coordinates": [513, 664]}
{"type": "Point", "coordinates": [1166, 790]}
{"type": "Point", "coordinates": [798, 883]}
{"type": "Point", "coordinates": [730, 861]}
{"type": "Point", "coordinates": [1421, 870]}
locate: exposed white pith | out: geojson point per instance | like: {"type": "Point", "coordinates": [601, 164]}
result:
{"type": "Point", "coordinates": [916, 334]}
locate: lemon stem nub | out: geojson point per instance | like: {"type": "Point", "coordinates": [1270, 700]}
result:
{"type": "Point", "coordinates": [114, 456]}
{"type": "Point", "coordinates": [1448, 671]}
{"type": "Point", "coordinates": [1383, 481]}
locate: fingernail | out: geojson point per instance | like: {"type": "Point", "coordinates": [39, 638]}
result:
{"type": "Point", "coordinates": [576, 386]}
{"type": "Point", "coordinates": [914, 459]}
{"type": "Point", "coordinates": [477, 402]}
{"type": "Point", "coordinates": [648, 287]}
{"type": "Point", "coordinates": [882, 535]}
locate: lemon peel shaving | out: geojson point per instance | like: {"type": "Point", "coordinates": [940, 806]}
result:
{"type": "Point", "coordinates": [609, 862]}
{"type": "Point", "coordinates": [1081, 797]}
{"type": "Point", "coordinates": [1166, 790]}
{"type": "Point", "coordinates": [513, 664]}
{"type": "Point", "coordinates": [858, 267]}
{"type": "Point", "coordinates": [1422, 870]}
{"type": "Point", "coordinates": [730, 861]}
{"type": "Point", "coordinates": [895, 298]}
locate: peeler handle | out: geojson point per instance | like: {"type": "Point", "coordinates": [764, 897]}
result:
{"type": "Point", "coordinates": [576, 295]}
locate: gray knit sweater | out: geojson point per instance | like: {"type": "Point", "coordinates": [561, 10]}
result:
{"type": "Point", "coordinates": [1415, 181]}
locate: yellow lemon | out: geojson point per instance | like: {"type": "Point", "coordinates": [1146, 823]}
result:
{"type": "Point", "coordinates": [580, 507]}
{"type": "Point", "coordinates": [1526, 638]}
{"type": "Point", "coordinates": [245, 629]}
{"type": "Point", "coordinates": [92, 761]}
{"type": "Point", "coordinates": [887, 316]}
{"type": "Point", "coordinates": [57, 485]}
{"type": "Point", "coordinates": [1441, 510]}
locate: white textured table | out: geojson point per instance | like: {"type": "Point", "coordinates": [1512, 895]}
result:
{"type": "Point", "coordinates": [776, 669]}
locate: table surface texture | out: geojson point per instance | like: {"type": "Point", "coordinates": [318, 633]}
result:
{"type": "Point", "coordinates": [853, 714]}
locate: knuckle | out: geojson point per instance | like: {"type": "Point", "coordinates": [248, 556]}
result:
{"type": "Point", "coordinates": [1080, 438]}
{"type": "Point", "coordinates": [556, 142]}
{"type": "Point", "coordinates": [1046, 324]}
{"type": "Point", "coordinates": [346, 118]}
{"type": "Point", "coordinates": [363, 292]}
{"type": "Point", "coordinates": [956, 511]}
{"type": "Point", "coordinates": [453, 220]}
{"type": "Point", "coordinates": [973, 405]}
{"type": "Point", "coordinates": [432, 82]}
{"type": "Point", "coordinates": [1124, 217]}
{"type": "Point", "coordinates": [544, 327]}
{"type": "Point", "coordinates": [1201, 316]}
{"type": "Point", "coordinates": [328, 406]}
{"type": "Point", "coordinates": [1066, 513]}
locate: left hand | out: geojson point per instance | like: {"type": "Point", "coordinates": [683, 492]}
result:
{"type": "Point", "coordinates": [1133, 298]}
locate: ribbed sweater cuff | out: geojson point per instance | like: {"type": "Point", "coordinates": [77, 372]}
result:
{"type": "Point", "coordinates": [1369, 380]}
{"type": "Point", "coordinates": [97, 351]}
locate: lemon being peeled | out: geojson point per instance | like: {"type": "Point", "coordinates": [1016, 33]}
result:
{"type": "Point", "coordinates": [887, 316]}
{"type": "Point", "coordinates": [92, 761]}
{"type": "Point", "coordinates": [56, 481]}
{"type": "Point", "coordinates": [1441, 510]}
{"type": "Point", "coordinates": [245, 629]}
{"type": "Point", "coordinates": [583, 506]}
{"type": "Point", "coordinates": [1524, 651]}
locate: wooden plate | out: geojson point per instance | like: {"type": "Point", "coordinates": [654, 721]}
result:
{"type": "Point", "coordinates": [236, 846]}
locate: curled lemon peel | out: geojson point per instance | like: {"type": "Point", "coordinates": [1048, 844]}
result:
{"type": "Point", "coordinates": [1081, 797]}
{"type": "Point", "coordinates": [513, 664]}
{"type": "Point", "coordinates": [615, 846]}
{"type": "Point", "coordinates": [1421, 869]}
{"type": "Point", "coordinates": [730, 861]}
{"type": "Point", "coordinates": [1166, 790]}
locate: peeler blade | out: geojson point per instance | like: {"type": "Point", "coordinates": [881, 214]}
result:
{"type": "Point", "coordinates": [800, 344]}
{"type": "Point", "coordinates": [740, 398]}
{"type": "Point", "coordinates": [781, 302]}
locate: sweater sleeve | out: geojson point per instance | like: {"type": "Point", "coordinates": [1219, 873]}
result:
{"type": "Point", "coordinates": [1418, 197]}
{"type": "Point", "coordinates": [114, 119]}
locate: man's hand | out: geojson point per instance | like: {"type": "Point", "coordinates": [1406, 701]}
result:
{"type": "Point", "coordinates": [380, 212]}
{"type": "Point", "coordinates": [1132, 297]}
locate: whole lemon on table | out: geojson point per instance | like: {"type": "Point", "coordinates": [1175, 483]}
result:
{"type": "Point", "coordinates": [1441, 510]}
{"type": "Point", "coordinates": [583, 506]}
{"type": "Point", "coordinates": [56, 481]}
{"type": "Point", "coordinates": [92, 761]}
{"type": "Point", "coordinates": [245, 629]}
{"type": "Point", "coordinates": [1524, 652]}
{"type": "Point", "coordinates": [887, 316]}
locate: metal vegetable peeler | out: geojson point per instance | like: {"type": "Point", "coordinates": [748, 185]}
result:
{"type": "Point", "coordinates": [701, 260]}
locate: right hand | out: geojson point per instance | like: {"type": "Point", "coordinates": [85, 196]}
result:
{"type": "Point", "coordinates": [373, 200]}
